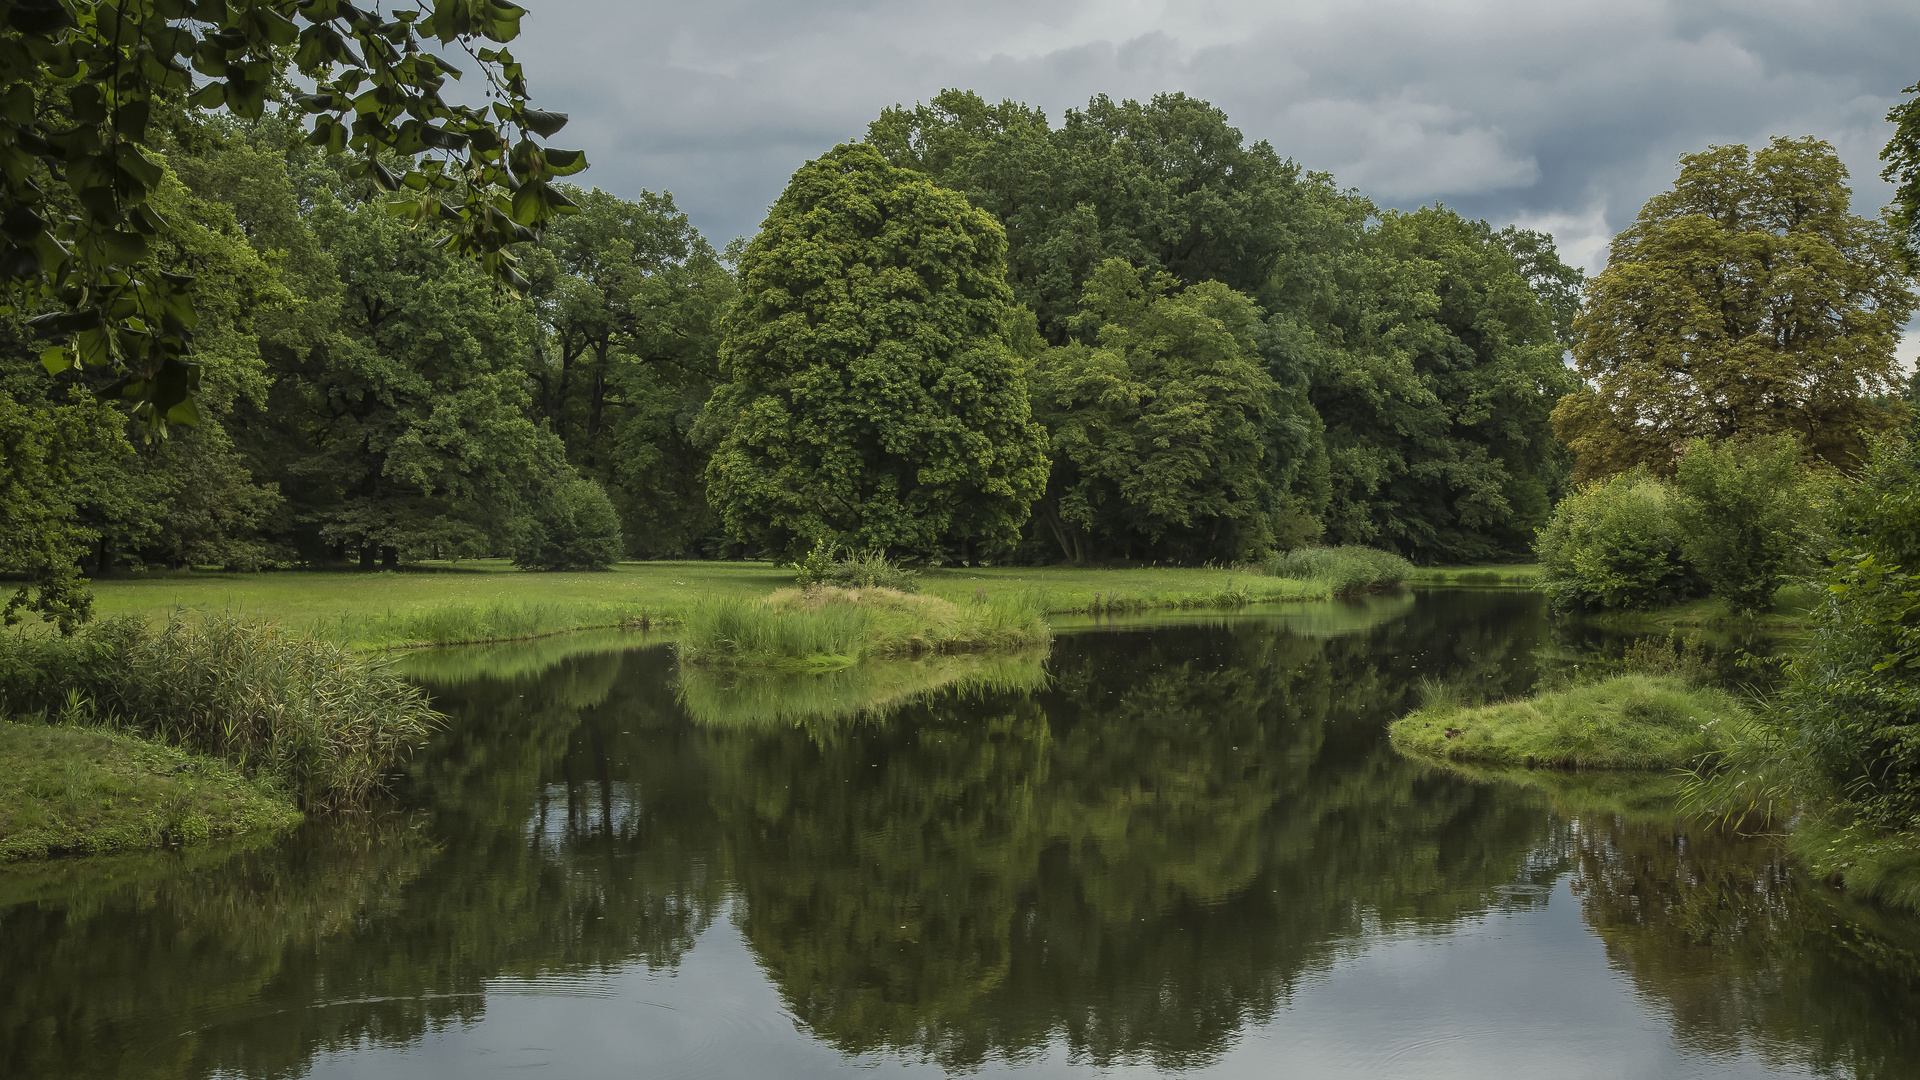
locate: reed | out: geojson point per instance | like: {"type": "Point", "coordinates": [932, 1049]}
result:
{"type": "Point", "coordinates": [1346, 569]}
{"type": "Point", "coordinates": [310, 715]}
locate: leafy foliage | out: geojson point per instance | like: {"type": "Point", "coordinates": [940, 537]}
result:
{"type": "Point", "coordinates": [1743, 512]}
{"type": "Point", "coordinates": [873, 397]}
{"type": "Point", "coordinates": [1747, 300]}
{"type": "Point", "coordinates": [1614, 544]}
{"type": "Point", "coordinates": [827, 565]}
{"type": "Point", "coordinates": [1159, 420]}
{"type": "Point", "coordinates": [85, 80]}
{"type": "Point", "coordinates": [574, 528]}
{"type": "Point", "coordinates": [1436, 405]}
{"type": "Point", "coordinates": [1852, 700]}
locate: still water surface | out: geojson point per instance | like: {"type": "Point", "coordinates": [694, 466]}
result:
{"type": "Point", "coordinates": [1166, 848]}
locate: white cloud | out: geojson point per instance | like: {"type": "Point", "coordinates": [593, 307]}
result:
{"type": "Point", "coordinates": [1518, 111]}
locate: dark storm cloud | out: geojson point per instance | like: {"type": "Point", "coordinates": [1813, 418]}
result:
{"type": "Point", "coordinates": [1564, 117]}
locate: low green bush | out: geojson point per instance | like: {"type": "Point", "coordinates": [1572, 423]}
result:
{"type": "Point", "coordinates": [575, 528]}
{"type": "Point", "coordinates": [828, 565]}
{"type": "Point", "coordinates": [1616, 544]}
{"type": "Point", "coordinates": [1851, 700]}
{"type": "Point", "coordinates": [1348, 568]}
{"type": "Point", "coordinates": [319, 720]}
{"type": "Point", "coordinates": [1742, 514]}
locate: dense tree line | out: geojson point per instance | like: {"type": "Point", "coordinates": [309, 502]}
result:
{"type": "Point", "coordinates": [975, 335]}
{"type": "Point", "coordinates": [1129, 336]}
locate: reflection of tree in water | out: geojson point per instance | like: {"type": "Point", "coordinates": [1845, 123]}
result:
{"type": "Point", "coordinates": [1717, 932]}
{"type": "Point", "coordinates": [1140, 859]}
{"type": "Point", "coordinates": [378, 932]}
{"type": "Point", "coordinates": [1143, 858]}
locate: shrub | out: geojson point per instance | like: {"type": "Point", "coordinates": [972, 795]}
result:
{"type": "Point", "coordinates": [1347, 569]}
{"type": "Point", "coordinates": [1741, 514]}
{"type": "Point", "coordinates": [827, 565]}
{"type": "Point", "coordinates": [1851, 703]}
{"type": "Point", "coordinates": [323, 722]}
{"type": "Point", "coordinates": [1615, 544]}
{"type": "Point", "coordinates": [576, 528]}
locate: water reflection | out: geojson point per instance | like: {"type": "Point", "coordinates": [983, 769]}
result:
{"type": "Point", "coordinates": [1165, 843]}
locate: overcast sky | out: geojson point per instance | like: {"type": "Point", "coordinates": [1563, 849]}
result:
{"type": "Point", "coordinates": [1563, 117]}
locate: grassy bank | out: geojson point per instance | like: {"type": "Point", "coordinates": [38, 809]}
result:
{"type": "Point", "coordinates": [1789, 612]}
{"type": "Point", "coordinates": [489, 600]}
{"type": "Point", "coordinates": [1633, 721]}
{"type": "Point", "coordinates": [825, 628]}
{"type": "Point", "coordinates": [83, 790]}
{"type": "Point", "coordinates": [312, 717]}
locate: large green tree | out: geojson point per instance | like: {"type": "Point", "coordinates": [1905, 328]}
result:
{"type": "Point", "coordinates": [628, 298]}
{"type": "Point", "coordinates": [1434, 374]}
{"type": "Point", "coordinates": [873, 396]}
{"type": "Point", "coordinates": [1746, 301]}
{"type": "Point", "coordinates": [1159, 422]}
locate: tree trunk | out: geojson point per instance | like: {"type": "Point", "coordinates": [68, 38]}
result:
{"type": "Point", "coordinates": [389, 558]}
{"type": "Point", "coordinates": [367, 551]}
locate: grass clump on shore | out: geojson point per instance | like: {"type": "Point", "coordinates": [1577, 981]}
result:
{"type": "Point", "coordinates": [308, 715]}
{"type": "Point", "coordinates": [94, 791]}
{"type": "Point", "coordinates": [826, 627]}
{"type": "Point", "coordinates": [1346, 569]}
{"type": "Point", "coordinates": [1632, 721]}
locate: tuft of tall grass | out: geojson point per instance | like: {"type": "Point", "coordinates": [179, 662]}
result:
{"type": "Point", "coordinates": [323, 722]}
{"type": "Point", "coordinates": [1348, 568]}
{"type": "Point", "coordinates": [826, 627]}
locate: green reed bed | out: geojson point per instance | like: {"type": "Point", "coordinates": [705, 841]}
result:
{"type": "Point", "coordinates": [1344, 570]}
{"type": "Point", "coordinates": [825, 627]}
{"type": "Point", "coordinates": [310, 716]}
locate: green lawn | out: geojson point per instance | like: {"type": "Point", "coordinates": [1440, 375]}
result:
{"type": "Point", "coordinates": [489, 600]}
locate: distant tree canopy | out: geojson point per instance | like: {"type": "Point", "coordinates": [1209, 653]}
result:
{"type": "Point", "coordinates": [1746, 301]}
{"type": "Point", "coordinates": [872, 396]}
{"type": "Point", "coordinates": [1415, 357]}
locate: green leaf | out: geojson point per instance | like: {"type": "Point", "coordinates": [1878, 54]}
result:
{"type": "Point", "coordinates": [542, 123]}
{"type": "Point", "coordinates": [56, 360]}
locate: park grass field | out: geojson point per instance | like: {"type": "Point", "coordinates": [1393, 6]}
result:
{"type": "Point", "coordinates": [490, 600]}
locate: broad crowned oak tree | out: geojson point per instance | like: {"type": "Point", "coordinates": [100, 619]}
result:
{"type": "Point", "coordinates": [872, 395]}
{"type": "Point", "coordinates": [1746, 301]}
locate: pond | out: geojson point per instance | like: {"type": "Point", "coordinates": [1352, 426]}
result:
{"type": "Point", "coordinates": [1171, 846]}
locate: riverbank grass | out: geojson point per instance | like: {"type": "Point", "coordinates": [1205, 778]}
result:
{"type": "Point", "coordinates": [88, 790]}
{"type": "Point", "coordinates": [489, 600]}
{"type": "Point", "coordinates": [825, 628]}
{"type": "Point", "coordinates": [1501, 575]}
{"type": "Point", "coordinates": [1633, 721]}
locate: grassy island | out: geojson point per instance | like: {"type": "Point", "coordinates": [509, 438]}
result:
{"type": "Point", "coordinates": [1634, 721]}
{"type": "Point", "coordinates": [83, 790]}
{"type": "Point", "coordinates": [825, 627]}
